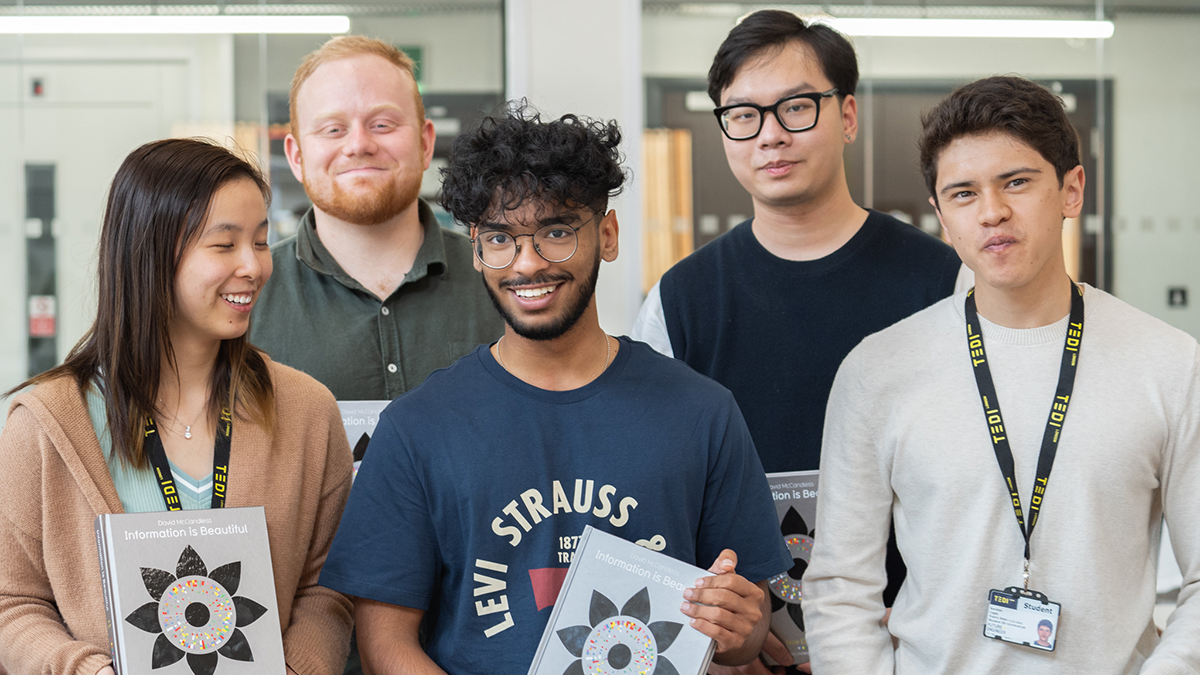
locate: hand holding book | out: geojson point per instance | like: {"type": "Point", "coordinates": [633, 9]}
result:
{"type": "Point", "coordinates": [729, 609]}
{"type": "Point", "coordinates": [773, 648]}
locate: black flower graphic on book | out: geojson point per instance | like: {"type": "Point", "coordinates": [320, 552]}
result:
{"type": "Point", "coordinates": [785, 588]}
{"type": "Point", "coordinates": [196, 614]}
{"type": "Point", "coordinates": [620, 642]}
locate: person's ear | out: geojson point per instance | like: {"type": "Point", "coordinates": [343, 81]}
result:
{"type": "Point", "coordinates": [608, 237]}
{"type": "Point", "coordinates": [849, 108]}
{"type": "Point", "coordinates": [1072, 192]}
{"type": "Point", "coordinates": [428, 137]}
{"type": "Point", "coordinates": [291, 149]}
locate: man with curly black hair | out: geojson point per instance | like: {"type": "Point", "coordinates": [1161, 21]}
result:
{"type": "Point", "coordinates": [467, 509]}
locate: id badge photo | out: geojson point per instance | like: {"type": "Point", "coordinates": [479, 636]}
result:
{"type": "Point", "coordinates": [1022, 617]}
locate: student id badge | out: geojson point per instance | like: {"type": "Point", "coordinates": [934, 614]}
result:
{"type": "Point", "coordinates": [1022, 617]}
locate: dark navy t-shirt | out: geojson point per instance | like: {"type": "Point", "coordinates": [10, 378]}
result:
{"type": "Point", "coordinates": [774, 331]}
{"type": "Point", "coordinates": [476, 486]}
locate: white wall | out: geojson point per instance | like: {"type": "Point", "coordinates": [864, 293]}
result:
{"type": "Point", "coordinates": [1156, 125]}
{"type": "Point", "coordinates": [12, 231]}
{"type": "Point", "coordinates": [104, 96]}
{"type": "Point", "coordinates": [462, 52]}
{"type": "Point", "coordinates": [594, 70]}
{"type": "Point", "coordinates": [1157, 143]}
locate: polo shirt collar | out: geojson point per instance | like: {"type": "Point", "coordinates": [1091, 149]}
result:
{"type": "Point", "coordinates": [430, 260]}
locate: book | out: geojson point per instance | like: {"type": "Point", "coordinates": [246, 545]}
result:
{"type": "Point", "coordinates": [359, 419]}
{"type": "Point", "coordinates": [618, 612]}
{"type": "Point", "coordinates": [190, 591]}
{"type": "Point", "coordinates": [795, 495]}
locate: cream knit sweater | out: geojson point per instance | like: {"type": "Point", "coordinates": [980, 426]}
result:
{"type": "Point", "coordinates": [905, 437]}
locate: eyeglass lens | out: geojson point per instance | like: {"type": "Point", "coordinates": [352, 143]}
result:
{"type": "Point", "coordinates": [794, 114]}
{"type": "Point", "coordinates": [498, 249]}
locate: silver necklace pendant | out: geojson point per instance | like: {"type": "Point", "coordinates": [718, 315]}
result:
{"type": "Point", "coordinates": [187, 433]}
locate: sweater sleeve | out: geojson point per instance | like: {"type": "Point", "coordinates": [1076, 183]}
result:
{"type": "Point", "coordinates": [317, 640]}
{"type": "Point", "coordinates": [33, 637]}
{"type": "Point", "coordinates": [844, 582]}
{"type": "Point", "coordinates": [1179, 650]}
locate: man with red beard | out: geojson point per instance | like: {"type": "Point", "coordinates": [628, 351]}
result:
{"type": "Point", "coordinates": [371, 294]}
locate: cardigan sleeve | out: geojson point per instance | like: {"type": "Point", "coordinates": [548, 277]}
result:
{"type": "Point", "coordinates": [33, 637]}
{"type": "Point", "coordinates": [317, 640]}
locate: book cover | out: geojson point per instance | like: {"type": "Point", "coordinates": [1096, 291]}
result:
{"type": "Point", "coordinates": [618, 612]}
{"type": "Point", "coordinates": [190, 592]}
{"type": "Point", "coordinates": [795, 495]}
{"type": "Point", "coordinates": [359, 418]}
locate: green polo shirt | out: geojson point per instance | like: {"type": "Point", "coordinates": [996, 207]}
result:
{"type": "Point", "coordinates": [316, 318]}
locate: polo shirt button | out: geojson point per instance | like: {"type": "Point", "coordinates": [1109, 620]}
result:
{"type": "Point", "coordinates": [391, 367]}
{"type": "Point", "coordinates": [384, 311]}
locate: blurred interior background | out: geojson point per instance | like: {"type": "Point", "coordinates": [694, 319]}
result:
{"type": "Point", "coordinates": [72, 105]}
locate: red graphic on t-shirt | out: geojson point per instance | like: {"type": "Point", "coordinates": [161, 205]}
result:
{"type": "Point", "coordinates": [547, 581]}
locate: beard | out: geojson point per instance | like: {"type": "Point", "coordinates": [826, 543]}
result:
{"type": "Point", "coordinates": [559, 325]}
{"type": "Point", "coordinates": [373, 204]}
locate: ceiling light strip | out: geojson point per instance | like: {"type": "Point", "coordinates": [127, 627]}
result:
{"type": "Point", "coordinates": [191, 25]}
{"type": "Point", "coordinates": [971, 28]}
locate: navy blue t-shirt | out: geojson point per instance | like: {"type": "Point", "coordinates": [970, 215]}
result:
{"type": "Point", "coordinates": [477, 485]}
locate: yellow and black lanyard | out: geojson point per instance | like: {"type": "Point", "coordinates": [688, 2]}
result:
{"type": "Point", "coordinates": [162, 468]}
{"type": "Point", "coordinates": [1058, 411]}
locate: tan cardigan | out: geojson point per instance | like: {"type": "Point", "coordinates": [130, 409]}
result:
{"type": "Point", "coordinates": [54, 482]}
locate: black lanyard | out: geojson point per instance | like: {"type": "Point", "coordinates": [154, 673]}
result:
{"type": "Point", "coordinates": [1058, 411]}
{"type": "Point", "coordinates": [162, 468]}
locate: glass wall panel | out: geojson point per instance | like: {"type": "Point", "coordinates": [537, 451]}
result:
{"type": "Point", "coordinates": [73, 106]}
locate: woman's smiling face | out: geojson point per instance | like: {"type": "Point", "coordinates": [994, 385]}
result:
{"type": "Point", "coordinates": [222, 272]}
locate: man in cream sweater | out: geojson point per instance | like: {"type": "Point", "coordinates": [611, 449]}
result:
{"type": "Point", "coordinates": [1026, 437]}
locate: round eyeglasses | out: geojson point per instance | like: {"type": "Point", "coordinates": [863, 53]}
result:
{"type": "Point", "coordinates": [743, 121]}
{"type": "Point", "coordinates": [497, 248]}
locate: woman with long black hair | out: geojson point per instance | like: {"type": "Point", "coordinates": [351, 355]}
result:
{"type": "Point", "coordinates": [183, 256]}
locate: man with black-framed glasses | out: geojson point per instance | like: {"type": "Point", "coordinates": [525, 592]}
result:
{"type": "Point", "coordinates": [772, 307]}
{"type": "Point", "coordinates": [478, 483]}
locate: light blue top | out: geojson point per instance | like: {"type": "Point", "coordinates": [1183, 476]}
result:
{"type": "Point", "coordinates": [137, 488]}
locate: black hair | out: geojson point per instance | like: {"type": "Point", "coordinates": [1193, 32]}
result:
{"type": "Point", "coordinates": [516, 156]}
{"type": "Point", "coordinates": [1046, 623]}
{"type": "Point", "coordinates": [774, 29]}
{"type": "Point", "coordinates": [157, 206]}
{"type": "Point", "coordinates": [1025, 110]}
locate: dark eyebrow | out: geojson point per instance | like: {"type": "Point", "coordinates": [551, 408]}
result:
{"type": "Point", "coordinates": [560, 218]}
{"type": "Point", "coordinates": [802, 88]}
{"type": "Point", "coordinates": [954, 186]}
{"type": "Point", "coordinates": [1025, 169]}
{"type": "Point", "coordinates": [1001, 177]}
{"type": "Point", "coordinates": [554, 219]}
{"type": "Point", "coordinates": [219, 228]}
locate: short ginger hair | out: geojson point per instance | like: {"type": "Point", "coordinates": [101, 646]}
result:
{"type": "Point", "coordinates": [345, 47]}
